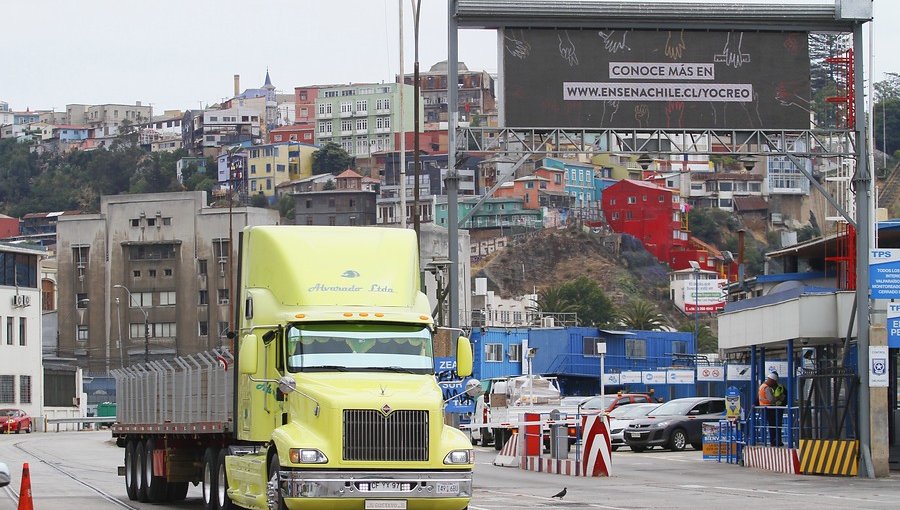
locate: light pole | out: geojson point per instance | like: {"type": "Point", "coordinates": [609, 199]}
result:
{"type": "Point", "coordinates": [146, 322]}
{"type": "Point", "coordinates": [696, 268]}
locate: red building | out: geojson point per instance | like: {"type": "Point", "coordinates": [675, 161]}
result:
{"type": "Point", "coordinates": [304, 133]}
{"type": "Point", "coordinates": [650, 213]}
{"type": "Point", "coordinates": [9, 226]}
{"type": "Point", "coordinates": [545, 188]}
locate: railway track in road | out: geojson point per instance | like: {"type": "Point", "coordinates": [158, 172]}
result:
{"type": "Point", "coordinates": [53, 462]}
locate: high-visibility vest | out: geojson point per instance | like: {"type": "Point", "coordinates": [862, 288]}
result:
{"type": "Point", "coordinates": [763, 400]}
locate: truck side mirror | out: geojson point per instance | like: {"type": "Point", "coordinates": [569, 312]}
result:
{"type": "Point", "coordinates": [463, 357]}
{"type": "Point", "coordinates": [247, 356]}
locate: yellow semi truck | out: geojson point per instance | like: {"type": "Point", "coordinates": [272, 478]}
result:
{"type": "Point", "coordinates": [331, 399]}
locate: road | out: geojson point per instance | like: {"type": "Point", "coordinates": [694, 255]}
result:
{"type": "Point", "coordinates": [77, 470]}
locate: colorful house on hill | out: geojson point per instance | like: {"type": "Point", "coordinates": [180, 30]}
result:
{"type": "Point", "coordinates": [544, 188]}
{"type": "Point", "coordinates": [650, 213]}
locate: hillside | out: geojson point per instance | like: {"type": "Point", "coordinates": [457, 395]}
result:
{"type": "Point", "coordinates": [619, 265]}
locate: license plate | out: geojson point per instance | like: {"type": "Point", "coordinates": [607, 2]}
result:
{"type": "Point", "coordinates": [634, 435]}
{"type": "Point", "coordinates": [385, 504]}
{"type": "Point", "coordinates": [447, 488]}
{"type": "Point", "coordinates": [384, 486]}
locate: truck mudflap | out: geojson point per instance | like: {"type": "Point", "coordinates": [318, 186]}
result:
{"type": "Point", "coordinates": [372, 485]}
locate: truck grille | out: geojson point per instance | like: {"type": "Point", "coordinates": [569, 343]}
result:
{"type": "Point", "coordinates": [399, 436]}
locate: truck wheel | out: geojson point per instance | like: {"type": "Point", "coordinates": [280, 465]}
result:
{"type": "Point", "coordinates": [499, 436]}
{"type": "Point", "coordinates": [177, 491]}
{"type": "Point", "coordinates": [140, 471]}
{"type": "Point", "coordinates": [222, 501]}
{"type": "Point", "coordinates": [157, 489]}
{"type": "Point", "coordinates": [273, 488]}
{"type": "Point", "coordinates": [210, 477]}
{"type": "Point", "coordinates": [130, 471]}
{"type": "Point", "coordinates": [485, 432]}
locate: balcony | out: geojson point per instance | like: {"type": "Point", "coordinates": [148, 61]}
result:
{"type": "Point", "coordinates": [383, 111]}
{"type": "Point", "coordinates": [361, 113]}
{"type": "Point", "coordinates": [345, 115]}
{"type": "Point", "coordinates": [324, 115]}
{"type": "Point", "coordinates": [362, 131]}
{"type": "Point", "coordinates": [383, 130]}
{"type": "Point", "coordinates": [346, 132]}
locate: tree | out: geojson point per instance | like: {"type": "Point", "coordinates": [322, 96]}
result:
{"type": "Point", "coordinates": [591, 304]}
{"type": "Point", "coordinates": [329, 185]}
{"type": "Point", "coordinates": [706, 340]}
{"type": "Point", "coordinates": [286, 207]}
{"type": "Point", "coordinates": [331, 159]}
{"type": "Point", "coordinates": [550, 300]}
{"type": "Point", "coordinates": [641, 315]}
{"type": "Point", "coordinates": [259, 200]}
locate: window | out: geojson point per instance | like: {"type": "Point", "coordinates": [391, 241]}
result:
{"type": "Point", "coordinates": [7, 389]}
{"type": "Point", "coordinates": [167, 272]}
{"type": "Point", "coordinates": [725, 186]}
{"type": "Point", "coordinates": [332, 221]}
{"type": "Point", "coordinates": [309, 204]}
{"type": "Point", "coordinates": [152, 273]}
{"type": "Point", "coordinates": [279, 168]}
{"type": "Point", "coordinates": [136, 330]}
{"type": "Point", "coordinates": [644, 198]}
{"type": "Point", "coordinates": [151, 252]}
{"type": "Point", "coordinates": [164, 330]}
{"type": "Point", "coordinates": [139, 299]}
{"type": "Point", "coordinates": [515, 352]}
{"type": "Point", "coordinates": [203, 328]}
{"type": "Point", "coordinates": [22, 330]}
{"type": "Point", "coordinates": [268, 168]}
{"type": "Point", "coordinates": [309, 220]}
{"type": "Point", "coordinates": [167, 298]}
{"type": "Point", "coordinates": [632, 200]}
{"type": "Point", "coordinates": [9, 331]}
{"type": "Point", "coordinates": [615, 215]}
{"type": "Point", "coordinates": [331, 202]}
{"type": "Point", "coordinates": [589, 345]}
{"type": "Point", "coordinates": [151, 222]}
{"type": "Point", "coordinates": [136, 273]}
{"type": "Point", "coordinates": [679, 347]}
{"type": "Point", "coordinates": [135, 222]}
{"type": "Point", "coordinates": [493, 352]}
{"type": "Point", "coordinates": [25, 389]}
{"type": "Point", "coordinates": [167, 221]}
{"type": "Point", "coordinates": [82, 333]}
{"type": "Point", "coordinates": [362, 124]}
{"type": "Point", "coordinates": [201, 266]}
{"type": "Point", "coordinates": [362, 105]}
{"type": "Point", "coordinates": [629, 215]}
{"type": "Point", "coordinates": [81, 300]}
{"type": "Point", "coordinates": [662, 199]}
{"type": "Point", "coordinates": [635, 349]}
{"type": "Point", "coordinates": [725, 202]}
{"type": "Point", "coordinates": [223, 296]}
{"type": "Point", "coordinates": [223, 329]}
{"type": "Point", "coordinates": [346, 107]}
{"type": "Point", "coordinates": [204, 297]}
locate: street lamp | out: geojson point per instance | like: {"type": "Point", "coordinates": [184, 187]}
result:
{"type": "Point", "coordinates": [146, 323]}
{"type": "Point", "coordinates": [696, 268]}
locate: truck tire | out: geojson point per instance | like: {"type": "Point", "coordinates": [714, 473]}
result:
{"type": "Point", "coordinates": [157, 486]}
{"type": "Point", "coordinates": [485, 432]}
{"type": "Point", "coordinates": [273, 488]}
{"type": "Point", "coordinates": [222, 500]}
{"type": "Point", "coordinates": [177, 491]}
{"type": "Point", "coordinates": [130, 471]}
{"type": "Point", "coordinates": [498, 439]}
{"type": "Point", "coordinates": [210, 477]}
{"type": "Point", "coordinates": [140, 464]}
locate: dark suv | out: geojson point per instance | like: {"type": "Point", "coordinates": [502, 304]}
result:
{"type": "Point", "coordinates": [675, 424]}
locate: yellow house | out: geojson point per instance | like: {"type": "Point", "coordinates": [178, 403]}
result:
{"type": "Point", "coordinates": [277, 163]}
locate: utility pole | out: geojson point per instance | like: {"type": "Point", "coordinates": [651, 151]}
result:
{"type": "Point", "coordinates": [416, 5]}
{"type": "Point", "coordinates": [402, 174]}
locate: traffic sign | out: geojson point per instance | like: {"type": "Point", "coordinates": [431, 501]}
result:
{"type": "Point", "coordinates": [713, 373]}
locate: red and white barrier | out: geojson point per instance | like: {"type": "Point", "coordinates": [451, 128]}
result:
{"type": "Point", "coordinates": [509, 455]}
{"type": "Point", "coordinates": [772, 458]}
{"type": "Point", "coordinates": [596, 456]}
{"type": "Point", "coordinates": [554, 466]}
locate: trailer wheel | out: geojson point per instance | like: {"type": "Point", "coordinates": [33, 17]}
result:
{"type": "Point", "coordinates": [498, 439]}
{"type": "Point", "coordinates": [223, 501]}
{"type": "Point", "coordinates": [157, 486]}
{"type": "Point", "coordinates": [140, 464]}
{"type": "Point", "coordinates": [130, 471]}
{"type": "Point", "coordinates": [177, 491]}
{"type": "Point", "coordinates": [273, 489]}
{"type": "Point", "coordinates": [210, 477]}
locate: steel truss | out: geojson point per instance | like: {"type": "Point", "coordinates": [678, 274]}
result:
{"type": "Point", "coordinates": [517, 142]}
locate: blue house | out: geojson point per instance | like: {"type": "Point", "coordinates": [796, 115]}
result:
{"type": "Point", "coordinates": [579, 182]}
{"type": "Point", "coordinates": [570, 355]}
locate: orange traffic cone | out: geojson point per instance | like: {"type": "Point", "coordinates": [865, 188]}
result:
{"type": "Point", "coordinates": [25, 502]}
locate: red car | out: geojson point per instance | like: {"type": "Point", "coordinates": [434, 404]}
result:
{"type": "Point", "coordinates": [14, 420]}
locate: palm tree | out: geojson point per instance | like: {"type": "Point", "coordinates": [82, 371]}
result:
{"type": "Point", "coordinates": [706, 339]}
{"type": "Point", "coordinates": [641, 315]}
{"type": "Point", "coordinates": [551, 300]}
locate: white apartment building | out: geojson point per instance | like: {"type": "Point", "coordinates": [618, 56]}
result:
{"type": "Point", "coordinates": [21, 370]}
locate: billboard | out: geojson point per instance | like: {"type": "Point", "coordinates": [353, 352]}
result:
{"type": "Point", "coordinates": [704, 295]}
{"type": "Point", "coordinates": [656, 79]}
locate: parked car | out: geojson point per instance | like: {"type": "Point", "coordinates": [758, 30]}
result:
{"type": "Point", "coordinates": [675, 424]}
{"type": "Point", "coordinates": [14, 420]}
{"type": "Point", "coordinates": [621, 417]}
{"type": "Point", "coordinates": [607, 403]}
{"type": "Point", "coordinates": [5, 477]}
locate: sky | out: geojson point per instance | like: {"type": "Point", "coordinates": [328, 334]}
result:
{"type": "Point", "coordinates": [182, 54]}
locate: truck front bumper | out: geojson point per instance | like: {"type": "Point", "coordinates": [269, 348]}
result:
{"type": "Point", "coordinates": [406, 485]}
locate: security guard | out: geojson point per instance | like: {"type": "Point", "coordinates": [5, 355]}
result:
{"type": "Point", "coordinates": [767, 399]}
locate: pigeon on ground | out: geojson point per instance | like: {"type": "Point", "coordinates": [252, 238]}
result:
{"type": "Point", "coordinates": [559, 494]}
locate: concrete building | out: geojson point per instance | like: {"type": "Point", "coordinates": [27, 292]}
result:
{"type": "Point", "coordinates": [105, 119]}
{"type": "Point", "coordinates": [477, 98]}
{"type": "Point", "coordinates": [148, 264]}
{"type": "Point", "coordinates": [271, 165]}
{"type": "Point", "coordinates": [204, 132]}
{"type": "Point", "coordinates": [353, 207]}
{"type": "Point", "coordinates": [21, 379]}
{"type": "Point", "coordinates": [362, 118]}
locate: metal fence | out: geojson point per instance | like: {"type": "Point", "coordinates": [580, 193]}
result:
{"type": "Point", "coordinates": [190, 389]}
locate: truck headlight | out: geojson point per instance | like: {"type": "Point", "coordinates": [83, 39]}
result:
{"type": "Point", "coordinates": [460, 457]}
{"type": "Point", "coordinates": [307, 456]}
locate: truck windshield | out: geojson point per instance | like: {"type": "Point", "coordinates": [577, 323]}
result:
{"type": "Point", "coordinates": [356, 347]}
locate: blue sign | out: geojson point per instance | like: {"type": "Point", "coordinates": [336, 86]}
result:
{"type": "Point", "coordinates": [453, 387]}
{"type": "Point", "coordinates": [884, 273]}
{"type": "Point", "coordinates": [893, 324]}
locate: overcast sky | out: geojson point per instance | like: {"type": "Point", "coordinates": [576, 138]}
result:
{"type": "Point", "coordinates": [177, 54]}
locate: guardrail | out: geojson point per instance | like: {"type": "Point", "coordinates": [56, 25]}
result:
{"type": "Point", "coordinates": [80, 420]}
